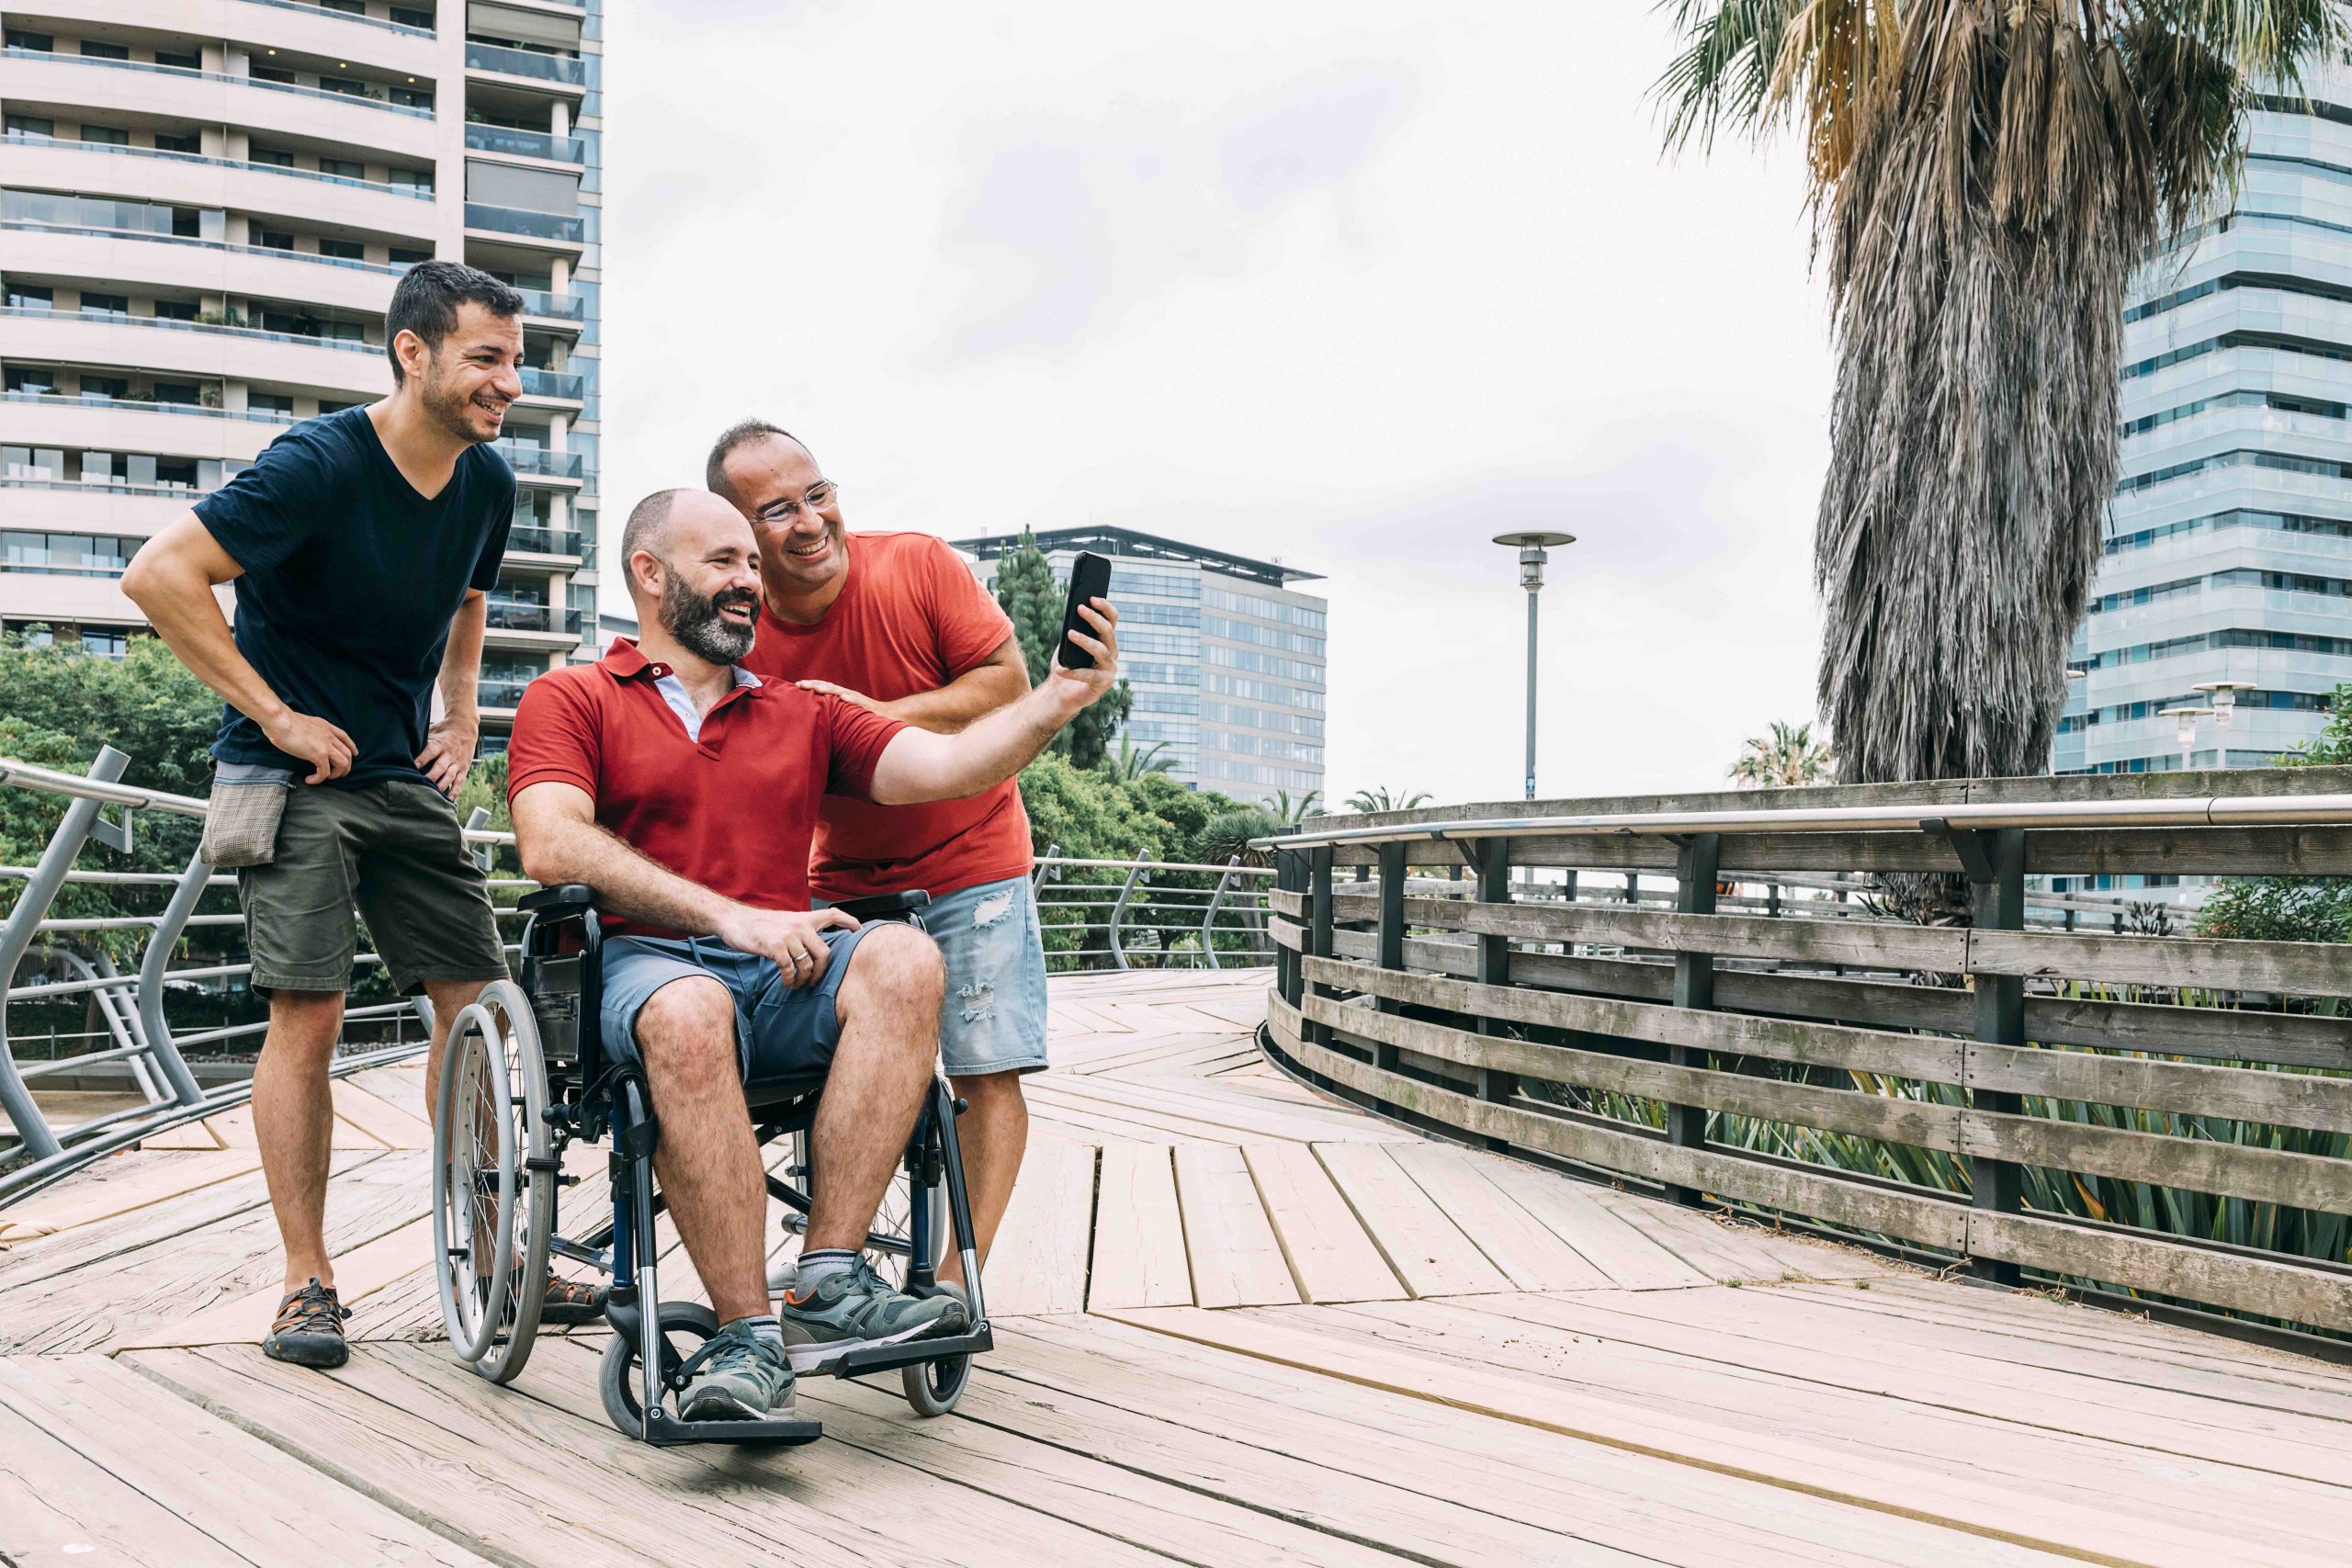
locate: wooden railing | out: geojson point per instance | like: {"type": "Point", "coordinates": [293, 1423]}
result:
{"type": "Point", "coordinates": [2007, 1097]}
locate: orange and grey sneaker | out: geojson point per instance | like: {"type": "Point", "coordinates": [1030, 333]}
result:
{"type": "Point", "coordinates": [567, 1303]}
{"type": "Point", "coordinates": [309, 1330]}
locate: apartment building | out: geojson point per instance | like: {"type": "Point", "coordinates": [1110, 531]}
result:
{"type": "Point", "coordinates": [1225, 657]}
{"type": "Point", "coordinates": [204, 208]}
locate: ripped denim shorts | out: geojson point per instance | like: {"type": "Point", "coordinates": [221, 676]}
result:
{"type": "Point", "coordinates": [994, 1017]}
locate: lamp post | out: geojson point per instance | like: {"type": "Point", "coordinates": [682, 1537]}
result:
{"type": "Point", "coordinates": [1531, 546]}
{"type": "Point", "coordinates": [2187, 733]}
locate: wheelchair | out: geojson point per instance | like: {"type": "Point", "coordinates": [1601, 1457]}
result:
{"type": "Point", "coordinates": [524, 1074]}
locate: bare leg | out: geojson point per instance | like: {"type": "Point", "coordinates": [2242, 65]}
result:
{"type": "Point", "coordinates": [449, 998]}
{"type": "Point", "coordinates": [707, 1159]}
{"type": "Point", "coordinates": [888, 1004]}
{"type": "Point", "coordinates": [293, 1117]}
{"type": "Point", "coordinates": [993, 1134]}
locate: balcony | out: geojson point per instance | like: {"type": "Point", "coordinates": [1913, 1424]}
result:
{"type": "Point", "coordinates": [532, 539]}
{"type": "Point", "coordinates": [182, 72]}
{"type": "Point", "coordinates": [388, 269]}
{"type": "Point", "coordinates": [554, 384]}
{"type": "Point", "coordinates": [570, 231]}
{"type": "Point", "coordinates": [512, 615]}
{"type": "Point", "coordinates": [525, 143]}
{"type": "Point", "coordinates": [527, 459]}
{"type": "Point", "coordinates": [240, 165]}
{"type": "Point", "coordinates": [506, 694]}
{"type": "Point", "coordinates": [565, 67]}
{"type": "Point", "coordinates": [555, 306]}
{"type": "Point", "coordinates": [317, 10]}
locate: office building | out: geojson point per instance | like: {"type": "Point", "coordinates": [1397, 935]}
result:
{"type": "Point", "coordinates": [204, 208]}
{"type": "Point", "coordinates": [1225, 657]}
{"type": "Point", "coordinates": [2229, 547]}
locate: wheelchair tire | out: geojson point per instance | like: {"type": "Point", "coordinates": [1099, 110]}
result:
{"type": "Point", "coordinates": [934, 1387]}
{"type": "Point", "coordinates": [492, 1063]}
{"type": "Point", "coordinates": [618, 1379]}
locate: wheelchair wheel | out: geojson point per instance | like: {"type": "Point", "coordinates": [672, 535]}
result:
{"type": "Point", "coordinates": [618, 1380]}
{"type": "Point", "coordinates": [493, 1182]}
{"type": "Point", "coordinates": [933, 1387]}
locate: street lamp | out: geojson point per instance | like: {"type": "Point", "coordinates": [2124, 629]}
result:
{"type": "Point", "coordinates": [2224, 694]}
{"type": "Point", "coordinates": [2187, 733]}
{"type": "Point", "coordinates": [1531, 546]}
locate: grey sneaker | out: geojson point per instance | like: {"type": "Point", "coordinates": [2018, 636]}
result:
{"type": "Point", "coordinates": [853, 1309]}
{"type": "Point", "coordinates": [741, 1377]}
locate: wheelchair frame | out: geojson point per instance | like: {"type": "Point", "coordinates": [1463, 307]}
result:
{"type": "Point", "coordinates": [552, 1048]}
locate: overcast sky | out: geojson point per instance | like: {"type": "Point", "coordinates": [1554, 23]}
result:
{"type": "Point", "coordinates": [1356, 285]}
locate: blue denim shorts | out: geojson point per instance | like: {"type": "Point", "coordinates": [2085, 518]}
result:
{"type": "Point", "coordinates": [993, 1019]}
{"type": "Point", "coordinates": [781, 1034]}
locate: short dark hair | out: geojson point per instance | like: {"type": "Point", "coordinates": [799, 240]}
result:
{"type": "Point", "coordinates": [742, 433]}
{"type": "Point", "coordinates": [427, 303]}
{"type": "Point", "coordinates": [648, 527]}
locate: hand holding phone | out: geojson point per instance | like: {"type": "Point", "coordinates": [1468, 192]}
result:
{"type": "Point", "coordinates": [1089, 579]}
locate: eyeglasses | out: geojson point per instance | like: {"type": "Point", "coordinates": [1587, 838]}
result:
{"type": "Point", "coordinates": [818, 496]}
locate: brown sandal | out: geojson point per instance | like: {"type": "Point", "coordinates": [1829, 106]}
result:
{"type": "Point", "coordinates": [567, 1303]}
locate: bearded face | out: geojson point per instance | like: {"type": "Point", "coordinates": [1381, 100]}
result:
{"type": "Point", "coordinates": [719, 627]}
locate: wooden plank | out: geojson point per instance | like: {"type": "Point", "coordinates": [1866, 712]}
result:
{"type": "Point", "coordinates": [1139, 1231]}
{"type": "Point", "coordinates": [360, 1273]}
{"type": "Point", "coordinates": [2306, 968]}
{"type": "Point", "coordinates": [265, 1505]}
{"type": "Point", "coordinates": [1095, 1377]}
{"type": "Point", "coordinates": [2084, 1250]}
{"type": "Point", "coordinates": [119, 1184]}
{"type": "Point", "coordinates": [2241, 1170]}
{"type": "Point", "coordinates": [1886, 946]}
{"type": "Point", "coordinates": [1038, 1264]}
{"type": "Point", "coordinates": [1729, 1249]}
{"type": "Point", "coordinates": [2018, 1490]}
{"type": "Point", "coordinates": [2247, 1094]}
{"type": "Point", "coordinates": [62, 1507]}
{"type": "Point", "coordinates": [1236, 1260]}
{"type": "Point", "coordinates": [1330, 1256]}
{"type": "Point", "coordinates": [1616, 1242]}
{"type": "Point", "coordinates": [1935, 1221]}
{"type": "Point", "coordinates": [1424, 1246]}
{"type": "Point", "coordinates": [389, 1126]}
{"type": "Point", "coordinates": [1528, 1251]}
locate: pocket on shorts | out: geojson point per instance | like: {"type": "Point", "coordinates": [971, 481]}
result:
{"type": "Point", "coordinates": [241, 822]}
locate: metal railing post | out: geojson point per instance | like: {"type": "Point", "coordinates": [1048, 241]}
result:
{"type": "Point", "coordinates": [1118, 912]}
{"type": "Point", "coordinates": [1208, 921]}
{"type": "Point", "coordinates": [17, 940]}
{"type": "Point", "coordinates": [152, 970]}
{"type": "Point", "coordinates": [1696, 865]}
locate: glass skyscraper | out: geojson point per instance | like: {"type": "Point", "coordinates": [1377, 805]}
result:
{"type": "Point", "coordinates": [2229, 544]}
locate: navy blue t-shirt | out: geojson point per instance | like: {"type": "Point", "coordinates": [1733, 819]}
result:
{"type": "Point", "coordinates": [350, 580]}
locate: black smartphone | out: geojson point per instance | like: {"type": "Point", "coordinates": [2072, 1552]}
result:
{"type": "Point", "coordinates": [1090, 578]}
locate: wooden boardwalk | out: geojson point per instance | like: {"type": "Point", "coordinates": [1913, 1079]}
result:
{"type": "Point", "coordinates": [1236, 1323]}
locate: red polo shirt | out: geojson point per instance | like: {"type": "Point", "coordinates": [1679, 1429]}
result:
{"type": "Point", "coordinates": [910, 618]}
{"type": "Point", "coordinates": [733, 809]}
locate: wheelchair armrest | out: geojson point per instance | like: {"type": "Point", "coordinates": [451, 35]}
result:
{"type": "Point", "coordinates": [572, 898]}
{"type": "Point", "coordinates": [885, 906]}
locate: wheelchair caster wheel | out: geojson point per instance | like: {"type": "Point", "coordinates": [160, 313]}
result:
{"type": "Point", "coordinates": [933, 1387]}
{"type": "Point", "coordinates": [619, 1379]}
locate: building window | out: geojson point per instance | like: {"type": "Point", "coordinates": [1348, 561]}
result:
{"type": "Point", "coordinates": [31, 297]}
{"type": "Point", "coordinates": [106, 642]}
{"type": "Point", "coordinates": [32, 378]}
{"type": "Point", "coordinates": [179, 60]}
{"type": "Point", "coordinates": [30, 128]}
{"type": "Point", "coordinates": [182, 394]}
{"type": "Point", "coordinates": [346, 250]}
{"type": "Point", "coordinates": [176, 310]}
{"type": "Point", "coordinates": [93, 50]}
{"type": "Point", "coordinates": [65, 555]}
{"type": "Point", "coordinates": [412, 97]}
{"type": "Point", "coordinates": [411, 179]}
{"type": "Point", "coordinates": [105, 386]}
{"type": "Point", "coordinates": [348, 7]}
{"type": "Point", "coordinates": [105, 135]}
{"type": "Point", "coordinates": [261, 73]}
{"type": "Point", "coordinates": [272, 240]}
{"type": "Point", "coordinates": [407, 255]}
{"type": "Point", "coordinates": [342, 168]}
{"type": "Point", "coordinates": [40, 43]}
{"type": "Point", "coordinates": [275, 157]}
{"type": "Point", "coordinates": [277, 404]}
{"type": "Point", "coordinates": [410, 16]}
{"type": "Point", "coordinates": [172, 141]}
{"type": "Point", "coordinates": [96, 304]}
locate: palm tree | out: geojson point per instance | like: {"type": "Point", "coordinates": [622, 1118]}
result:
{"type": "Point", "coordinates": [1985, 177]}
{"type": "Point", "coordinates": [1790, 755]}
{"type": "Point", "coordinates": [1370, 800]}
{"type": "Point", "coordinates": [1293, 812]}
{"type": "Point", "coordinates": [1127, 765]}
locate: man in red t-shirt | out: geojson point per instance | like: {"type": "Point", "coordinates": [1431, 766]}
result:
{"type": "Point", "coordinates": [898, 624]}
{"type": "Point", "coordinates": [684, 790]}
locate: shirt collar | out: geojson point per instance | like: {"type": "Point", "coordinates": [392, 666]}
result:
{"type": "Point", "coordinates": [626, 660]}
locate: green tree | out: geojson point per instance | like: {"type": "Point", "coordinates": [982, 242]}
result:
{"type": "Point", "coordinates": [1374, 800]}
{"type": "Point", "coordinates": [1227, 835]}
{"type": "Point", "coordinates": [1789, 755]}
{"type": "Point", "coordinates": [1985, 178]}
{"type": "Point", "coordinates": [1127, 765]}
{"type": "Point", "coordinates": [1294, 810]}
{"type": "Point", "coordinates": [1026, 589]}
{"type": "Point", "coordinates": [2290, 908]}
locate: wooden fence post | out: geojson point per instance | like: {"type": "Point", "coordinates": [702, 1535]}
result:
{"type": "Point", "coordinates": [1494, 967]}
{"type": "Point", "coordinates": [1694, 986]}
{"type": "Point", "coordinates": [1391, 937]}
{"type": "Point", "coordinates": [1318, 926]}
{"type": "Point", "coordinates": [1290, 869]}
{"type": "Point", "coordinates": [1998, 873]}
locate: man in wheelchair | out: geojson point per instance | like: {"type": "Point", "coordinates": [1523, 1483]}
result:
{"type": "Point", "coordinates": [685, 791]}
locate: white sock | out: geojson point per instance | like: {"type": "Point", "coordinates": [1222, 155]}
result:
{"type": "Point", "coordinates": [818, 1267]}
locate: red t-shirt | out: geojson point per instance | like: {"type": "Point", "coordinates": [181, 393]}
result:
{"type": "Point", "coordinates": [733, 809]}
{"type": "Point", "coordinates": [910, 618]}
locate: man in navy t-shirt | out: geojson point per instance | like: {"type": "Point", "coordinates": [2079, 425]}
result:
{"type": "Point", "coordinates": [361, 545]}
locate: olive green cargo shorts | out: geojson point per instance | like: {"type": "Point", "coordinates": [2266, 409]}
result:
{"type": "Point", "coordinates": [393, 849]}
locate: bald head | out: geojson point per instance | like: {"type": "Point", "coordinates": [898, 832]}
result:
{"type": "Point", "coordinates": [649, 524]}
{"type": "Point", "coordinates": [742, 433]}
{"type": "Point", "coordinates": [694, 571]}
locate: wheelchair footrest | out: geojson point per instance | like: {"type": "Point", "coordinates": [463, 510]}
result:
{"type": "Point", "coordinates": [664, 1430]}
{"type": "Point", "coordinates": [883, 1357]}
